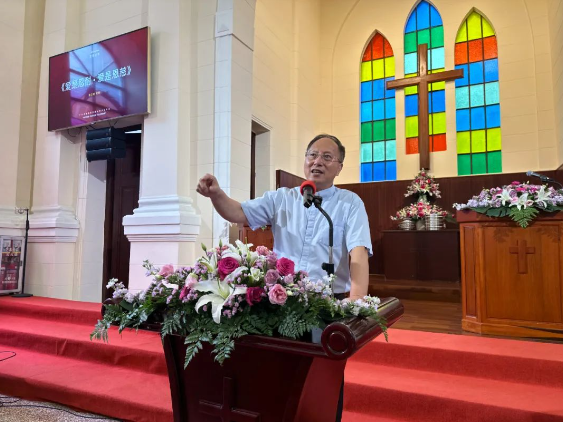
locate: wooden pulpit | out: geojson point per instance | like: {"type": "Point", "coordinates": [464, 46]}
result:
{"type": "Point", "coordinates": [512, 278]}
{"type": "Point", "coordinates": [269, 379]}
{"type": "Point", "coordinates": [261, 236]}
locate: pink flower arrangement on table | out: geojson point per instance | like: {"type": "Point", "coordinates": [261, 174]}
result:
{"type": "Point", "coordinates": [418, 211]}
{"type": "Point", "coordinates": [231, 291]}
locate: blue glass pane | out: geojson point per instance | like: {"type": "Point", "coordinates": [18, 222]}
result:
{"type": "Point", "coordinates": [411, 105]}
{"type": "Point", "coordinates": [435, 18]}
{"type": "Point", "coordinates": [411, 24]}
{"type": "Point", "coordinates": [437, 101]}
{"type": "Point", "coordinates": [423, 15]}
{"type": "Point", "coordinates": [367, 172]}
{"type": "Point", "coordinates": [476, 73]}
{"type": "Point", "coordinates": [379, 151]}
{"type": "Point", "coordinates": [365, 114]}
{"type": "Point", "coordinates": [462, 120]}
{"type": "Point", "coordinates": [379, 110]}
{"type": "Point", "coordinates": [493, 116]}
{"type": "Point", "coordinates": [378, 89]}
{"type": "Point", "coordinates": [462, 97]}
{"type": "Point", "coordinates": [477, 93]}
{"type": "Point", "coordinates": [436, 58]}
{"type": "Point", "coordinates": [391, 150]}
{"type": "Point", "coordinates": [366, 91]}
{"type": "Point", "coordinates": [389, 92]}
{"type": "Point", "coordinates": [465, 80]}
{"type": "Point", "coordinates": [491, 70]}
{"type": "Point", "coordinates": [390, 108]}
{"type": "Point", "coordinates": [491, 93]}
{"type": "Point", "coordinates": [378, 171]}
{"type": "Point", "coordinates": [391, 170]}
{"type": "Point", "coordinates": [411, 65]}
{"type": "Point", "coordinates": [478, 118]}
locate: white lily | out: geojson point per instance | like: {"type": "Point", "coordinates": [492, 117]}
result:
{"type": "Point", "coordinates": [542, 195]}
{"type": "Point", "coordinates": [256, 274]}
{"type": "Point", "coordinates": [505, 197]}
{"type": "Point", "coordinates": [523, 202]}
{"type": "Point", "coordinates": [244, 249]}
{"type": "Point", "coordinates": [220, 293]}
{"type": "Point", "coordinates": [231, 254]}
{"type": "Point", "coordinates": [233, 276]}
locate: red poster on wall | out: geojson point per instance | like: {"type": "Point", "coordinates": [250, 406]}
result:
{"type": "Point", "coordinates": [10, 263]}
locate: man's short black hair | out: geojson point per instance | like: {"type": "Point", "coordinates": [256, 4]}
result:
{"type": "Point", "coordinates": [341, 148]}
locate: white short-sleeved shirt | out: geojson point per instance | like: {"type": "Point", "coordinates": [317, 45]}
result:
{"type": "Point", "coordinates": [301, 234]}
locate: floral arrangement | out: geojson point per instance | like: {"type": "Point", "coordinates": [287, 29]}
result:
{"type": "Point", "coordinates": [422, 185]}
{"type": "Point", "coordinates": [418, 211]}
{"type": "Point", "coordinates": [520, 201]}
{"type": "Point", "coordinates": [230, 292]}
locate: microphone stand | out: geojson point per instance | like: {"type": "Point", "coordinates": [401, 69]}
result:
{"type": "Point", "coordinates": [550, 180]}
{"type": "Point", "coordinates": [327, 266]}
{"type": "Point", "coordinates": [21, 211]}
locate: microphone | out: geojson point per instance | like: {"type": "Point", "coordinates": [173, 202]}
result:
{"type": "Point", "coordinates": [543, 178]}
{"type": "Point", "coordinates": [308, 190]}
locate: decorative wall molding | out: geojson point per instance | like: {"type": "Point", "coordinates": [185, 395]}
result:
{"type": "Point", "coordinates": [53, 224]}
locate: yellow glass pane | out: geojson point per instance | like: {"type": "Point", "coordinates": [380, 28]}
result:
{"type": "Point", "coordinates": [436, 86]}
{"type": "Point", "coordinates": [463, 142]}
{"type": "Point", "coordinates": [411, 126]}
{"type": "Point", "coordinates": [378, 72]}
{"type": "Point", "coordinates": [389, 67]}
{"type": "Point", "coordinates": [478, 141]}
{"type": "Point", "coordinates": [366, 71]}
{"type": "Point", "coordinates": [487, 29]}
{"type": "Point", "coordinates": [494, 139]}
{"type": "Point", "coordinates": [462, 33]}
{"type": "Point", "coordinates": [409, 90]}
{"type": "Point", "coordinates": [438, 123]}
{"type": "Point", "coordinates": [474, 26]}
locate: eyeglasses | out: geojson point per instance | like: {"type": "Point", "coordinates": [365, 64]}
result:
{"type": "Point", "coordinates": [313, 155]}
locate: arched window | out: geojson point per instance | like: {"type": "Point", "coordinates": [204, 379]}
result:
{"type": "Point", "coordinates": [424, 26]}
{"type": "Point", "coordinates": [378, 152]}
{"type": "Point", "coordinates": [477, 98]}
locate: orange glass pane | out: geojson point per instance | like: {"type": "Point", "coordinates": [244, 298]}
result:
{"type": "Point", "coordinates": [438, 142]}
{"type": "Point", "coordinates": [461, 53]}
{"type": "Point", "coordinates": [475, 51]}
{"type": "Point", "coordinates": [412, 145]}
{"type": "Point", "coordinates": [367, 53]}
{"type": "Point", "coordinates": [387, 48]}
{"type": "Point", "coordinates": [490, 47]}
{"type": "Point", "coordinates": [377, 47]}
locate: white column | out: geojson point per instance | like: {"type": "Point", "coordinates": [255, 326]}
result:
{"type": "Point", "coordinates": [164, 227]}
{"type": "Point", "coordinates": [234, 34]}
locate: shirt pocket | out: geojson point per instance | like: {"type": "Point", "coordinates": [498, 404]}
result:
{"type": "Point", "coordinates": [338, 235]}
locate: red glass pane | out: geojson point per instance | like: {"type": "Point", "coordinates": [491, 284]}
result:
{"type": "Point", "coordinates": [387, 48]}
{"type": "Point", "coordinates": [412, 145]}
{"type": "Point", "coordinates": [367, 53]}
{"type": "Point", "coordinates": [490, 47]}
{"type": "Point", "coordinates": [438, 142]}
{"type": "Point", "coordinates": [377, 46]}
{"type": "Point", "coordinates": [475, 51]}
{"type": "Point", "coordinates": [461, 53]}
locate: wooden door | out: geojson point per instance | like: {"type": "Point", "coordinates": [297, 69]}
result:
{"type": "Point", "coordinates": [122, 197]}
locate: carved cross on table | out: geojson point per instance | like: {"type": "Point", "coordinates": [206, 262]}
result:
{"type": "Point", "coordinates": [226, 411]}
{"type": "Point", "coordinates": [522, 250]}
{"type": "Point", "coordinates": [422, 81]}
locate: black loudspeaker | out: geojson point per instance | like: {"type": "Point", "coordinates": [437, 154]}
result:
{"type": "Point", "coordinates": [105, 144]}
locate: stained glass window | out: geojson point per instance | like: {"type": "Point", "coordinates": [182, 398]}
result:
{"type": "Point", "coordinates": [378, 154]}
{"type": "Point", "coordinates": [477, 98]}
{"type": "Point", "coordinates": [424, 26]}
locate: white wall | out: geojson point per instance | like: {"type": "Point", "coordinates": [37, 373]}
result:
{"type": "Point", "coordinates": [555, 18]}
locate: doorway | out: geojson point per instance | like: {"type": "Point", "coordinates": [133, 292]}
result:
{"type": "Point", "coordinates": [122, 197]}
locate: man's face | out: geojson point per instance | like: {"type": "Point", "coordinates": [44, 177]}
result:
{"type": "Point", "coordinates": [318, 170]}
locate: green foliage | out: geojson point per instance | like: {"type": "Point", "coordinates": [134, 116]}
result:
{"type": "Point", "coordinates": [523, 216]}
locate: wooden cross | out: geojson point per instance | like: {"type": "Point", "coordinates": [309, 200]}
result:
{"type": "Point", "coordinates": [226, 411]}
{"type": "Point", "coordinates": [522, 250]}
{"type": "Point", "coordinates": [422, 81]}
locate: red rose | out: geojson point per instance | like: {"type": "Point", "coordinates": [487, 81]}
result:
{"type": "Point", "coordinates": [285, 266]}
{"type": "Point", "coordinates": [254, 295]}
{"type": "Point", "coordinates": [227, 266]}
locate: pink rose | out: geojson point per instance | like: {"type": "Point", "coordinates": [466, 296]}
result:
{"type": "Point", "coordinates": [262, 250]}
{"type": "Point", "coordinates": [184, 292]}
{"type": "Point", "coordinates": [288, 279]}
{"type": "Point", "coordinates": [272, 259]}
{"type": "Point", "coordinates": [285, 266]}
{"type": "Point", "coordinates": [166, 270]}
{"type": "Point", "coordinates": [515, 183]}
{"type": "Point", "coordinates": [277, 295]}
{"type": "Point", "coordinates": [227, 266]}
{"type": "Point", "coordinates": [254, 295]}
{"type": "Point", "coordinates": [191, 280]}
{"type": "Point", "coordinates": [271, 277]}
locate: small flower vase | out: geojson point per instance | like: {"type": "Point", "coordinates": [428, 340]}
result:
{"type": "Point", "coordinates": [406, 224]}
{"type": "Point", "coordinates": [420, 225]}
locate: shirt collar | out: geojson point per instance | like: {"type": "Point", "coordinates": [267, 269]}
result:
{"type": "Point", "coordinates": [327, 193]}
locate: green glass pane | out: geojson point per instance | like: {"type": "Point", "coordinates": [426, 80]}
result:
{"type": "Point", "coordinates": [424, 37]}
{"type": "Point", "coordinates": [367, 132]}
{"type": "Point", "coordinates": [411, 126]}
{"type": "Point", "coordinates": [494, 139]}
{"type": "Point", "coordinates": [479, 163]}
{"type": "Point", "coordinates": [478, 141]}
{"type": "Point", "coordinates": [474, 26]}
{"type": "Point", "coordinates": [438, 123]}
{"type": "Point", "coordinates": [437, 37]}
{"type": "Point", "coordinates": [464, 164]}
{"type": "Point", "coordinates": [391, 150]}
{"type": "Point", "coordinates": [390, 129]}
{"type": "Point", "coordinates": [410, 42]}
{"type": "Point", "coordinates": [379, 130]}
{"type": "Point", "coordinates": [366, 153]}
{"type": "Point", "coordinates": [379, 151]}
{"type": "Point", "coordinates": [462, 33]}
{"type": "Point", "coordinates": [495, 162]}
{"type": "Point", "coordinates": [366, 71]}
{"type": "Point", "coordinates": [464, 142]}
{"type": "Point", "coordinates": [378, 69]}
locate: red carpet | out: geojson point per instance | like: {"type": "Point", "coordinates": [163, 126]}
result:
{"type": "Point", "coordinates": [423, 377]}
